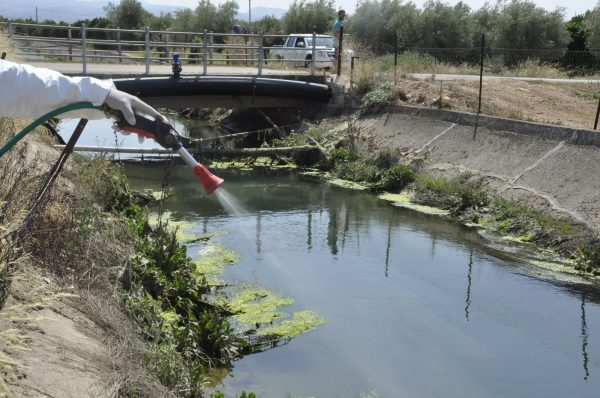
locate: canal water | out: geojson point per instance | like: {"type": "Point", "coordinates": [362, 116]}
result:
{"type": "Point", "coordinates": [414, 305]}
{"type": "Point", "coordinates": [100, 133]}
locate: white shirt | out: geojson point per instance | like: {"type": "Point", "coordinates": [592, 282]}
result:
{"type": "Point", "coordinates": [29, 92]}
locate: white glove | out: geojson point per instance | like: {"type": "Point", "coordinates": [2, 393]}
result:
{"type": "Point", "coordinates": [128, 104]}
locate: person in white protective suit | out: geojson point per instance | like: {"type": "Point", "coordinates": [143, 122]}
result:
{"type": "Point", "coordinates": [30, 92]}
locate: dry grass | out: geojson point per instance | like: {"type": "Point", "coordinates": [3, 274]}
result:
{"type": "Point", "coordinates": [76, 243]}
{"type": "Point", "coordinates": [17, 191]}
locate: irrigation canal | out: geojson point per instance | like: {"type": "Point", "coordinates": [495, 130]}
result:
{"type": "Point", "coordinates": [415, 305]}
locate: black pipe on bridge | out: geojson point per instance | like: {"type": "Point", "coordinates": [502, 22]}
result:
{"type": "Point", "coordinates": [224, 91]}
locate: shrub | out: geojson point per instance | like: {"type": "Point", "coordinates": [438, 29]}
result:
{"type": "Point", "coordinates": [357, 171]}
{"type": "Point", "coordinates": [397, 177]}
{"type": "Point", "coordinates": [386, 157]}
{"type": "Point", "coordinates": [382, 94]}
{"type": "Point", "coordinates": [455, 195]}
{"type": "Point", "coordinates": [341, 154]}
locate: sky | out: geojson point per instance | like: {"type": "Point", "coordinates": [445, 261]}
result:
{"type": "Point", "coordinates": [573, 7]}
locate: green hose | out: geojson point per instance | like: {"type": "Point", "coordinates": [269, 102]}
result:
{"type": "Point", "coordinates": [40, 120]}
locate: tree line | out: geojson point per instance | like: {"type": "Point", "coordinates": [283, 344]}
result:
{"type": "Point", "coordinates": [514, 24]}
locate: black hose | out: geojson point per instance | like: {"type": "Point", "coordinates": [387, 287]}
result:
{"type": "Point", "coordinates": [223, 85]}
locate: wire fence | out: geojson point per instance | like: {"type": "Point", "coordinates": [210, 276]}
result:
{"type": "Point", "coordinates": [547, 86]}
{"type": "Point", "coordinates": [497, 61]}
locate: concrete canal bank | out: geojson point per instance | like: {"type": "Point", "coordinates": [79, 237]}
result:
{"type": "Point", "coordinates": [552, 168]}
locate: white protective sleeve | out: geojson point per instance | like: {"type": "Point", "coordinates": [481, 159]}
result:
{"type": "Point", "coordinates": [29, 92]}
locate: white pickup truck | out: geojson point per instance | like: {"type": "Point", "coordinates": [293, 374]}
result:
{"type": "Point", "coordinates": [298, 51]}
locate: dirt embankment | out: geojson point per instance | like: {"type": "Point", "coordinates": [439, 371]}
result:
{"type": "Point", "coordinates": [62, 331]}
{"type": "Point", "coordinates": [561, 104]}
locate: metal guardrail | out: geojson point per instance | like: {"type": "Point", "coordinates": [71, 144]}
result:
{"type": "Point", "coordinates": [66, 43]}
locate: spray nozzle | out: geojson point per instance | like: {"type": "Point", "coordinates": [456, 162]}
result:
{"type": "Point", "coordinates": [166, 136]}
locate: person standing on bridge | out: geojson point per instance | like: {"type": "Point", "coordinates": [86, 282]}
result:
{"type": "Point", "coordinates": [30, 92]}
{"type": "Point", "coordinates": [337, 30]}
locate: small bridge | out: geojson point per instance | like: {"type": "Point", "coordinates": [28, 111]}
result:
{"type": "Point", "coordinates": [218, 70]}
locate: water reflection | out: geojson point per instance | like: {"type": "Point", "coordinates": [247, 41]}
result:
{"type": "Point", "coordinates": [387, 250]}
{"type": "Point", "coordinates": [309, 212]}
{"type": "Point", "coordinates": [584, 338]}
{"type": "Point", "coordinates": [332, 231]}
{"type": "Point", "coordinates": [258, 228]}
{"type": "Point", "coordinates": [468, 299]}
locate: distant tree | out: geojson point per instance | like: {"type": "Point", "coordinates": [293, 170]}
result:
{"type": "Point", "coordinates": [446, 26]}
{"type": "Point", "coordinates": [484, 21]}
{"type": "Point", "coordinates": [225, 16]}
{"type": "Point", "coordinates": [99, 22]}
{"type": "Point", "coordinates": [591, 24]}
{"type": "Point", "coordinates": [576, 29]}
{"type": "Point", "coordinates": [520, 24]}
{"type": "Point", "coordinates": [376, 22]}
{"type": "Point", "coordinates": [215, 19]}
{"type": "Point", "coordinates": [309, 16]}
{"type": "Point", "coordinates": [406, 22]}
{"type": "Point", "coordinates": [128, 14]}
{"type": "Point", "coordinates": [163, 21]}
{"type": "Point", "coordinates": [269, 25]}
{"type": "Point", "coordinates": [183, 20]}
{"type": "Point", "coordinates": [205, 16]}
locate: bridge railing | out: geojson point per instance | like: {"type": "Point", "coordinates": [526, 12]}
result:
{"type": "Point", "coordinates": [147, 48]}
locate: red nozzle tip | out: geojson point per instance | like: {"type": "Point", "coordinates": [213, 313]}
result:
{"type": "Point", "coordinates": [209, 181]}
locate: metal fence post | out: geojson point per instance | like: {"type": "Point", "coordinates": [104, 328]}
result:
{"type": "Point", "coordinates": [340, 52]}
{"type": "Point", "coordinates": [210, 50]}
{"type": "Point", "coordinates": [70, 45]}
{"type": "Point", "coordinates": [147, 49]}
{"type": "Point", "coordinates": [205, 53]}
{"type": "Point", "coordinates": [352, 72]}
{"type": "Point", "coordinates": [167, 45]}
{"type": "Point", "coordinates": [480, 83]}
{"type": "Point", "coordinates": [83, 49]}
{"type": "Point", "coordinates": [396, 58]}
{"type": "Point", "coordinates": [10, 28]}
{"type": "Point", "coordinates": [119, 48]}
{"type": "Point", "coordinates": [597, 115]}
{"type": "Point", "coordinates": [261, 57]}
{"type": "Point", "coordinates": [314, 54]}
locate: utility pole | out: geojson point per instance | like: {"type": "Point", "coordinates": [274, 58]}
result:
{"type": "Point", "coordinates": [249, 13]}
{"type": "Point", "coordinates": [36, 15]}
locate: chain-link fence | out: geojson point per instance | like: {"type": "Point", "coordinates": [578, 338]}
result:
{"type": "Point", "coordinates": [495, 60]}
{"type": "Point", "coordinates": [505, 61]}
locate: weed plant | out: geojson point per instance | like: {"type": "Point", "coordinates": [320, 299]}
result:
{"type": "Point", "coordinates": [466, 199]}
{"type": "Point", "coordinates": [166, 300]}
{"type": "Point", "coordinates": [380, 172]}
{"type": "Point", "coordinates": [455, 195]}
{"type": "Point", "coordinates": [381, 94]}
{"type": "Point", "coordinates": [357, 171]}
{"type": "Point", "coordinates": [396, 178]}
